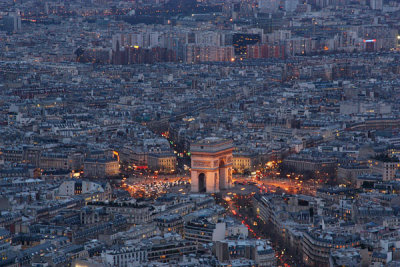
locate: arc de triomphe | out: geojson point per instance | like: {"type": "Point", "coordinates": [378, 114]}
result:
{"type": "Point", "coordinates": [211, 165]}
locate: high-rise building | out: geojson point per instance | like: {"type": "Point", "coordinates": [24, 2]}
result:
{"type": "Point", "coordinates": [291, 5]}
{"type": "Point", "coordinates": [376, 4]}
{"type": "Point", "coordinates": [268, 5]}
{"type": "Point", "coordinates": [205, 53]}
{"type": "Point", "coordinates": [12, 22]}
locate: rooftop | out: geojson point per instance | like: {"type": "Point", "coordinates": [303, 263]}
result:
{"type": "Point", "coordinates": [211, 145]}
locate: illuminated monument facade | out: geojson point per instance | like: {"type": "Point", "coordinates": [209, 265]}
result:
{"type": "Point", "coordinates": [211, 165]}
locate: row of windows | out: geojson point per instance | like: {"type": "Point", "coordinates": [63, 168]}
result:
{"type": "Point", "coordinates": [137, 256]}
{"type": "Point", "coordinates": [243, 160]}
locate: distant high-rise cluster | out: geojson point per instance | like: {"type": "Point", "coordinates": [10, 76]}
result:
{"type": "Point", "coordinates": [199, 133]}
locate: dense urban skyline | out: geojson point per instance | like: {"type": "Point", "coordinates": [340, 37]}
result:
{"type": "Point", "coordinates": [199, 133]}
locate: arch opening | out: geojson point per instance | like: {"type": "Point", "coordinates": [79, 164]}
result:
{"type": "Point", "coordinates": [222, 174]}
{"type": "Point", "coordinates": [202, 183]}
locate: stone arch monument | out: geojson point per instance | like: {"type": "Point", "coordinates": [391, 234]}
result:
{"type": "Point", "coordinates": [211, 165]}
